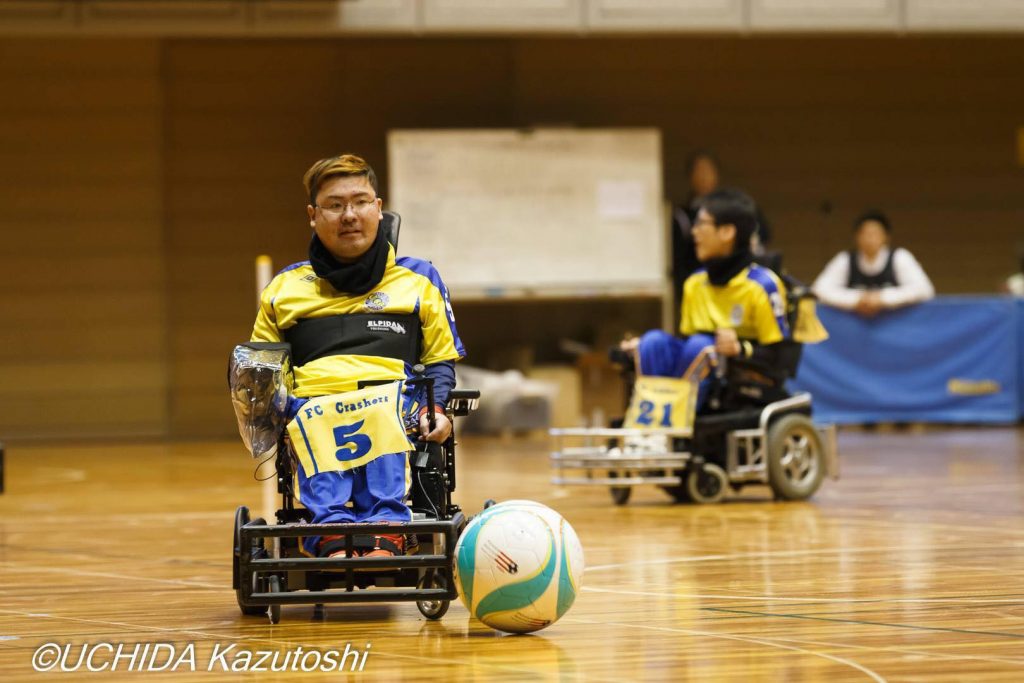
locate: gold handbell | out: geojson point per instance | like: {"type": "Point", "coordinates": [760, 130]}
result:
{"type": "Point", "coordinates": [808, 328]}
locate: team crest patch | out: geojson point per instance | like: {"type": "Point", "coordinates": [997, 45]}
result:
{"type": "Point", "coordinates": [377, 301]}
{"type": "Point", "coordinates": [736, 315]}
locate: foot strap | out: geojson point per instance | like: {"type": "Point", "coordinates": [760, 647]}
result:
{"type": "Point", "coordinates": [382, 543]}
{"type": "Point", "coordinates": [330, 545]}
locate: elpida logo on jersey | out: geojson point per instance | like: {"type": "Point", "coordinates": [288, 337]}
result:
{"type": "Point", "coordinates": [385, 326]}
{"type": "Point", "coordinates": [378, 301]}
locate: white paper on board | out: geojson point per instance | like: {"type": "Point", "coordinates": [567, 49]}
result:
{"type": "Point", "coordinates": [620, 199]}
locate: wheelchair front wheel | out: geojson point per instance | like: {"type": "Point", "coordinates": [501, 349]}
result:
{"type": "Point", "coordinates": [433, 609]}
{"type": "Point", "coordinates": [796, 457]}
{"type": "Point", "coordinates": [707, 483]}
{"type": "Point", "coordinates": [241, 519]}
{"type": "Point", "coordinates": [274, 611]}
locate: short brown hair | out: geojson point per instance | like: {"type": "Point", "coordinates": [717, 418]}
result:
{"type": "Point", "coordinates": [341, 165]}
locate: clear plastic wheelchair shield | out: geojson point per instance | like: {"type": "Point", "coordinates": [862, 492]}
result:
{"type": "Point", "coordinates": [260, 380]}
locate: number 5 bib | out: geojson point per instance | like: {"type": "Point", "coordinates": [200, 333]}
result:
{"type": "Point", "coordinates": [661, 403]}
{"type": "Point", "coordinates": [343, 431]}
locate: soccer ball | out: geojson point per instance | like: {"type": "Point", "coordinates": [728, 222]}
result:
{"type": "Point", "coordinates": [518, 566]}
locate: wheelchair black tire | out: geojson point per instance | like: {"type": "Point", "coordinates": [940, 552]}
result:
{"type": "Point", "coordinates": [274, 611]}
{"type": "Point", "coordinates": [796, 457]}
{"type": "Point", "coordinates": [241, 519]}
{"type": "Point", "coordinates": [706, 484]}
{"type": "Point", "coordinates": [433, 609]}
{"type": "Point", "coordinates": [620, 494]}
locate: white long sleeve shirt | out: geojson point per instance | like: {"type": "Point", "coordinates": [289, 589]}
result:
{"type": "Point", "coordinates": [914, 286]}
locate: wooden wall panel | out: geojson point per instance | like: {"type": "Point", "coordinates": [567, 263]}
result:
{"type": "Point", "coordinates": [82, 283]}
{"type": "Point", "coordinates": [816, 129]}
{"type": "Point", "coordinates": [140, 179]}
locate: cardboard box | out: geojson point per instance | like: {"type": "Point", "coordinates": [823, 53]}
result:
{"type": "Point", "coordinates": [602, 389]}
{"type": "Point", "coordinates": [566, 402]}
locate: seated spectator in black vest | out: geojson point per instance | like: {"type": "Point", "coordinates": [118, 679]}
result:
{"type": "Point", "coordinates": [873, 277]}
{"type": "Point", "coordinates": [1015, 283]}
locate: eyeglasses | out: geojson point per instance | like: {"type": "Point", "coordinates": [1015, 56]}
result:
{"type": "Point", "coordinates": [702, 223]}
{"type": "Point", "coordinates": [338, 207]}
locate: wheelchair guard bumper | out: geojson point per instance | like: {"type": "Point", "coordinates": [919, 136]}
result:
{"type": "Point", "coordinates": [403, 571]}
{"type": "Point", "coordinates": [628, 457]}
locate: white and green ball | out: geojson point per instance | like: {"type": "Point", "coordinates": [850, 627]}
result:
{"type": "Point", "coordinates": [518, 566]}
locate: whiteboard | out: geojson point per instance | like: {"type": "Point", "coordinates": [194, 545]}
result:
{"type": "Point", "coordinates": [549, 212]}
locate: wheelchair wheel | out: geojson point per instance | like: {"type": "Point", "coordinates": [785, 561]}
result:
{"type": "Point", "coordinates": [274, 611]}
{"type": "Point", "coordinates": [707, 483]}
{"type": "Point", "coordinates": [241, 519]}
{"type": "Point", "coordinates": [796, 457]}
{"type": "Point", "coordinates": [433, 609]}
{"type": "Point", "coordinates": [620, 494]}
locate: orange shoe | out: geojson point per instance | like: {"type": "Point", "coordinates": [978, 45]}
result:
{"type": "Point", "coordinates": [387, 545]}
{"type": "Point", "coordinates": [334, 546]}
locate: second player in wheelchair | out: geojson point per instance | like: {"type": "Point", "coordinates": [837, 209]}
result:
{"type": "Point", "coordinates": [348, 383]}
{"type": "Point", "coordinates": [708, 411]}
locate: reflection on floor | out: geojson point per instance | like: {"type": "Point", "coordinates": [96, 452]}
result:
{"type": "Point", "coordinates": [909, 567]}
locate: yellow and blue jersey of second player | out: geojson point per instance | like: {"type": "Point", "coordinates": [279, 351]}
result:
{"type": "Point", "coordinates": [753, 303]}
{"type": "Point", "coordinates": [410, 287]}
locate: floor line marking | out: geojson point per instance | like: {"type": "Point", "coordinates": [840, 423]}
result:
{"type": "Point", "coordinates": [760, 641]}
{"type": "Point", "coordinates": [768, 554]}
{"type": "Point", "coordinates": [108, 575]}
{"type": "Point", "coordinates": [864, 623]}
{"type": "Point", "coordinates": [906, 651]}
{"type": "Point", "coordinates": [809, 600]}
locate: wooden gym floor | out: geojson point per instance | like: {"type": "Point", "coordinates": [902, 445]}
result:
{"type": "Point", "coordinates": [910, 568]}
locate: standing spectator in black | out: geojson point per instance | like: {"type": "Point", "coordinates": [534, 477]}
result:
{"type": "Point", "coordinates": [873, 277]}
{"type": "Point", "coordinates": [703, 174]}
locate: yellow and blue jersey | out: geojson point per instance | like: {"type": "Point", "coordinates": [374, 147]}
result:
{"type": "Point", "coordinates": [753, 303]}
{"type": "Point", "coordinates": [340, 339]}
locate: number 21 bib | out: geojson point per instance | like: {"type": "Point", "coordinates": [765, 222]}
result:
{"type": "Point", "coordinates": [661, 403]}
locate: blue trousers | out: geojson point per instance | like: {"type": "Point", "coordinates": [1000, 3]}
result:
{"type": "Point", "coordinates": [665, 355]}
{"type": "Point", "coordinates": [377, 489]}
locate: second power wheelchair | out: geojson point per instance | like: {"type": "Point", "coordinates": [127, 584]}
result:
{"type": "Point", "coordinates": [269, 568]}
{"type": "Point", "coordinates": [751, 430]}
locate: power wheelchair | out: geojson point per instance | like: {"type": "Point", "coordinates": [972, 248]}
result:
{"type": "Point", "coordinates": [269, 568]}
{"type": "Point", "coordinates": [751, 430]}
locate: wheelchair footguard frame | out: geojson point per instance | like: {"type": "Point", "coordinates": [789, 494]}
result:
{"type": "Point", "coordinates": [746, 458]}
{"type": "Point", "coordinates": [591, 457]}
{"type": "Point", "coordinates": [349, 569]}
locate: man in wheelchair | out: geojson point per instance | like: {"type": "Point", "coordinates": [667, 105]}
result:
{"type": "Point", "coordinates": [732, 308]}
{"type": "Point", "coordinates": [358, 320]}
{"type": "Point", "coordinates": [709, 409]}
